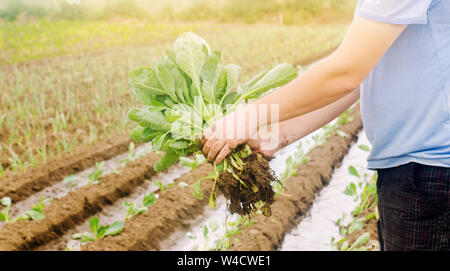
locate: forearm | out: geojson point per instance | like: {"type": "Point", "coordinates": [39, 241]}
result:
{"type": "Point", "coordinates": [293, 129]}
{"type": "Point", "coordinates": [321, 85]}
{"type": "Point", "coordinates": [335, 76]}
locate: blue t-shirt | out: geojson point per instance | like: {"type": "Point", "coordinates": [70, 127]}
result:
{"type": "Point", "coordinates": [405, 100]}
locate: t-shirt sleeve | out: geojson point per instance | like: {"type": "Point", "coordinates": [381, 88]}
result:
{"type": "Point", "coordinates": [394, 11]}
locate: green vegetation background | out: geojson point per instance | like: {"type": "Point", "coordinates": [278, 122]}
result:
{"type": "Point", "coordinates": [250, 11]}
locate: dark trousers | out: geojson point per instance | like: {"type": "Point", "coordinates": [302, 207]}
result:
{"type": "Point", "coordinates": [414, 207]}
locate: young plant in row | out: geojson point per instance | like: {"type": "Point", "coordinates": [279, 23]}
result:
{"type": "Point", "coordinates": [292, 164]}
{"type": "Point", "coordinates": [186, 91]}
{"type": "Point", "coordinates": [133, 210]}
{"type": "Point", "coordinates": [367, 199]}
{"type": "Point", "coordinates": [98, 231]}
{"type": "Point", "coordinates": [194, 162]}
{"type": "Point", "coordinates": [35, 213]}
{"type": "Point", "coordinates": [93, 178]}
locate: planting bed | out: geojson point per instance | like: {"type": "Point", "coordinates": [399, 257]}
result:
{"type": "Point", "coordinates": [175, 210]}
{"type": "Point", "coordinates": [21, 186]}
{"type": "Point", "coordinates": [268, 233]}
{"type": "Point", "coordinates": [65, 213]}
{"type": "Point", "coordinates": [332, 207]}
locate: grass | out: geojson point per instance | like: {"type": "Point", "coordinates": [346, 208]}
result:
{"type": "Point", "coordinates": [248, 11]}
{"type": "Point", "coordinates": [65, 102]}
{"type": "Point", "coordinates": [40, 38]}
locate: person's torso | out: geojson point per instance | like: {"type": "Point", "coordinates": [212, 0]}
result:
{"type": "Point", "coordinates": [405, 100]}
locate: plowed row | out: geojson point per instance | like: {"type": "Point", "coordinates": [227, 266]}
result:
{"type": "Point", "coordinates": [290, 207]}
{"type": "Point", "coordinates": [21, 186]}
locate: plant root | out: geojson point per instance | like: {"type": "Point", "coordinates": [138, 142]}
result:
{"type": "Point", "coordinates": [253, 190]}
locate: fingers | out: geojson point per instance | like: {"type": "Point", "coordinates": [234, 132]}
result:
{"type": "Point", "coordinates": [215, 149]}
{"type": "Point", "coordinates": [222, 154]}
{"type": "Point", "coordinates": [254, 144]}
{"type": "Point", "coordinates": [207, 146]}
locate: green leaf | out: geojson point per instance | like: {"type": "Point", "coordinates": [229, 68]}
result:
{"type": "Point", "coordinates": [220, 167]}
{"type": "Point", "coordinates": [364, 148]}
{"type": "Point", "coordinates": [35, 214]}
{"type": "Point", "coordinates": [149, 200]}
{"type": "Point", "coordinates": [255, 79]}
{"type": "Point", "coordinates": [342, 134]}
{"type": "Point", "coordinates": [198, 194]}
{"type": "Point", "coordinates": [276, 77]}
{"type": "Point", "coordinates": [356, 225]}
{"type": "Point", "coordinates": [165, 78]}
{"type": "Point", "coordinates": [84, 236]}
{"type": "Point", "coordinates": [230, 99]}
{"type": "Point", "coordinates": [187, 162]}
{"type": "Point", "coordinates": [221, 84]}
{"type": "Point", "coordinates": [362, 240]}
{"type": "Point", "coordinates": [179, 144]}
{"type": "Point", "coordinates": [145, 85]}
{"type": "Point", "coordinates": [143, 134]}
{"type": "Point", "coordinates": [101, 231]}
{"type": "Point", "coordinates": [2, 217]}
{"type": "Point", "coordinates": [114, 229]}
{"type": "Point", "coordinates": [232, 76]}
{"type": "Point", "coordinates": [158, 142]}
{"type": "Point", "coordinates": [350, 190]}
{"type": "Point", "coordinates": [6, 201]}
{"type": "Point", "coordinates": [93, 224]}
{"type": "Point", "coordinates": [205, 231]}
{"type": "Point", "coordinates": [352, 170]}
{"type": "Point", "coordinates": [344, 246]}
{"type": "Point", "coordinates": [190, 55]}
{"type": "Point", "coordinates": [87, 238]}
{"type": "Point", "coordinates": [152, 119]}
{"type": "Point", "coordinates": [166, 161]}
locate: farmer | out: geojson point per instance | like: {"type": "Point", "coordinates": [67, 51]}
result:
{"type": "Point", "coordinates": [398, 53]}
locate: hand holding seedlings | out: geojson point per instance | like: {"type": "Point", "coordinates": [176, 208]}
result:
{"type": "Point", "coordinates": [189, 89]}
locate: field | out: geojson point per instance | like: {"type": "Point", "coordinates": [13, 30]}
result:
{"type": "Point", "coordinates": [68, 165]}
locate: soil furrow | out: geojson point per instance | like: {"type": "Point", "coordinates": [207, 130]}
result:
{"type": "Point", "coordinates": [290, 207]}
{"type": "Point", "coordinates": [65, 213]}
{"type": "Point", "coordinates": [21, 186]}
{"type": "Point", "coordinates": [170, 212]}
{"type": "Point", "coordinates": [116, 212]}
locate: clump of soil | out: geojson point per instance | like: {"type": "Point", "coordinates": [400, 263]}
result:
{"type": "Point", "coordinates": [254, 192]}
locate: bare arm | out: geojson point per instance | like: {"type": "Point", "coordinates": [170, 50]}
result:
{"type": "Point", "coordinates": [332, 78]}
{"type": "Point", "coordinates": [293, 129]}
{"type": "Point", "coordinates": [329, 80]}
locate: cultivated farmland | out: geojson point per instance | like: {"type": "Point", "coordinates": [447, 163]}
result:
{"type": "Point", "coordinates": [71, 178]}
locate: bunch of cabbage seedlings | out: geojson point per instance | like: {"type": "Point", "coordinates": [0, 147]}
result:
{"type": "Point", "coordinates": [185, 91]}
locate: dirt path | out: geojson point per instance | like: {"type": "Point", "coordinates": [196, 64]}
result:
{"type": "Point", "coordinates": [268, 233]}
{"type": "Point", "coordinates": [78, 205]}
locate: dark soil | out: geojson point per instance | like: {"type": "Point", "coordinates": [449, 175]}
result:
{"type": "Point", "coordinates": [76, 207]}
{"type": "Point", "coordinates": [256, 190]}
{"type": "Point", "coordinates": [289, 208]}
{"type": "Point", "coordinates": [21, 186]}
{"type": "Point", "coordinates": [170, 212]}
